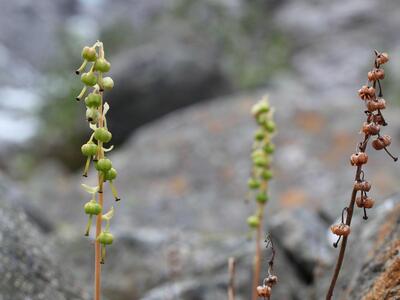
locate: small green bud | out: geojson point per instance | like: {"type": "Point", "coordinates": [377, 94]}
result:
{"type": "Point", "coordinates": [261, 161]}
{"type": "Point", "coordinates": [103, 164]}
{"type": "Point", "coordinates": [253, 183]}
{"type": "Point", "coordinates": [270, 126]}
{"type": "Point", "coordinates": [262, 197]}
{"type": "Point", "coordinates": [267, 175]}
{"type": "Point", "coordinates": [89, 149]}
{"type": "Point", "coordinates": [89, 78]}
{"type": "Point", "coordinates": [103, 135]}
{"type": "Point", "coordinates": [92, 115]}
{"type": "Point", "coordinates": [89, 53]}
{"type": "Point", "coordinates": [260, 107]}
{"type": "Point", "coordinates": [93, 100]}
{"type": "Point", "coordinates": [92, 208]}
{"type": "Point", "coordinates": [108, 83]}
{"type": "Point", "coordinates": [253, 221]}
{"type": "Point", "coordinates": [269, 148]}
{"type": "Point", "coordinates": [110, 174]}
{"type": "Point", "coordinates": [105, 238]}
{"type": "Point", "coordinates": [102, 65]}
{"type": "Point", "coordinates": [259, 135]}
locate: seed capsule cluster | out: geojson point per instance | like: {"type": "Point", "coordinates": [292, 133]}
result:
{"type": "Point", "coordinates": [261, 158]}
{"type": "Point", "coordinates": [372, 95]}
{"type": "Point", "coordinates": [94, 149]}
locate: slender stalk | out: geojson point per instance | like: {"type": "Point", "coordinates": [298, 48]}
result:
{"type": "Point", "coordinates": [257, 257]}
{"type": "Point", "coordinates": [231, 286]}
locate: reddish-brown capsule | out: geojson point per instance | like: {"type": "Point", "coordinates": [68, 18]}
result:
{"type": "Point", "coordinates": [382, 58]}
{"type": "Point", "coordinates": [366, 92]}
{"type": "Point", "coordinates": [376, 74]}
{"type": "Point", "coordinates": [263, 291]}
{"type": "Point", "coordinates": [370, 128]}
{"type": "Point", "coordinates": [381, 142]}
{"type": "Point", "coordinates": [364, 186]}
{"type": "Point", "coordinates": [340, 229]}
{"type": "Point", "coordinates": [358, 159]}
{"type": "Point", "coordinates": [365, 202]}
{"type": "Point", "coordinates": [377, 119]}
{"type": "Point", "coordinates": [373, 105]}
{"type": "Point", "coordinates": [271, 280]}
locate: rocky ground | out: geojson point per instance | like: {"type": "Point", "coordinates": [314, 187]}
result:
{"type": "Point", "coordinates": [183, 177]}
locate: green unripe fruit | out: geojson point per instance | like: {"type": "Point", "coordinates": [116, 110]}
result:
{"type": "Point", "coordinates": [262, 197]}
{"type": "Point", "coordinates": [89, 149]}
{"type": "Point", "coordinates": [105, 238]}
{"type": "Point", "coordinates": [104, 164]}
{"type": "Point", "coordinates": [102, 65]}
{"type": "Point", "coordinates": [260, 108]}
{"type": "Point", "coordinates": [253, 183]}
{"type": "Point", "coordinates": [103, 135]}
{"type": "Point", "coordinates": [89, 79]}
{"type": "Point", "coordinates": [261, 161]}
{"type": "Point", "coordinates": [270, 126]}
{"type": "Point", "coordinates": [267, 175]}
{"type": "Point", "coordinates": [259, 135]}
{"type": "Point", "coordinates": [89, 53]}
{"type": "Point", "coordinates": [269, 148]}
{"type": "Point", "coordinates": [108, 83]}
{"type": "Point", "coordinates": [92, 208]}
{"type": "Point", "coordinates": [253, 221]}
{"type": "Point", "coordinates": [110, 174]}
{"type": "Point", "coordinates": [93, 100]}
{"type": "Point", "coordinates": [92, 115]}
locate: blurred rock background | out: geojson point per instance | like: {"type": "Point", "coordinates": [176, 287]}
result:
{"type": "Point", "coordinates": [187, 73]}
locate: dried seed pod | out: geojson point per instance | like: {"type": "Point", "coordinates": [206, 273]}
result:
{"type": "Point", "coordinates": [376, 74]}
{"type": "Point", "coordinates": [382, 58]}
{"type": "Point", "coordinates": [263, 291]}
{"type": "Point", "coordinates": [381, 142]}
{"type": "Point", "coordinates": [340, 229]}
{"type": "Point", "coordinates": [366, 92]}
{"type": "Point", "coordinates": [365, 202]}
{"type": "Point", "coordinates": [370, 128]}
{"type": "Point", "coordinates": [271, 280]}
{"type": "Point", "coordinates": [373, 105]}
{"type": "Point", "coordinates": [377, 119]}
{"type": "Point", "coordinates": [358, 159]}
{"type": "Point", "coordinates": [364, 186]}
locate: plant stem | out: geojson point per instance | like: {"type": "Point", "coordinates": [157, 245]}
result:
{"type": "Point", "coordinates": [97, 260]}
{"type": "Point", "coordinates": [257, 258]}
{"type": "Point", "coordinates": [231, 286]}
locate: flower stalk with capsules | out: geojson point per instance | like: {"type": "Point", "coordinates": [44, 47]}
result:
{"type": "Point", "coordinates": [95, 84]}
{"type": "Point", "coordinates": [371, 94]}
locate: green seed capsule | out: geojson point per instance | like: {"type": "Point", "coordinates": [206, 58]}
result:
{"type": "Point", "coordinates": [262, 197]}
{"type": "Point", "coordinates": [108, 83]}
{"type": "Point", "coordinates": [105, 238]}
{"type": "Point", "coordinates": [261, 161]}
{"type": "Point", "coordinates": [89, 53]}
{"type": "Point", "coordinates": [269, 148]}
{"type": "Point", "coordinates": [92, 115]}
{"type": "Point", "coordinates": [270, 126]}
{"type": "Point", "coordinates": [259, 135]}
{"type": "Point", "coordinates": [92, 208]}
{"type": "Point", "coordinates": [103, 135]}
{"type": "Point", "coordinates": [253, 183]}
{"type": "Point", "coordinates": [253, 221]}
{"type": "Point", "coordinates": [103, 164]}
{"type": "Point", "coordinates": [260, 108]}
{"type": "Point", "coordinates": [110, 174]}
{"type": "Point", "coordinates": [89, 78]}
{"type": "Point", "coordinates": [267, 175]}
{"type": "Point", "coordinates": [89, 149]}
{"type": "Point", "coordinates": [102, 65]}
{"type": "Point", "coordinates": [93, 100]}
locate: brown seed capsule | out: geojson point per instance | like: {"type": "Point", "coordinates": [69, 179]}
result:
{"type": "Point", "coordinates": [359, 159]}
{"type": "Point", "coordinates": [364, 186]}
{"type": "Point", "coordinates": [377, 119]}
{"type": "Point", "coordinates": [370, 128]}
{"type": "Point", "coordinates": [373, 105]}
{"type": "Point", "coordinates": [271, 280]}
{"type": "Point", "coordinates": [365, 202]}
{"type": "Point", "coordinates": [263, 291]}
{"type": "Point", "coordinates": [366, 92]}
{"type": "Point", "coordinates": [381, 142]}
{"type": "Point", "coordinates": [340, 229]}
{"type": "Point", "coordinates": [382, 58]}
